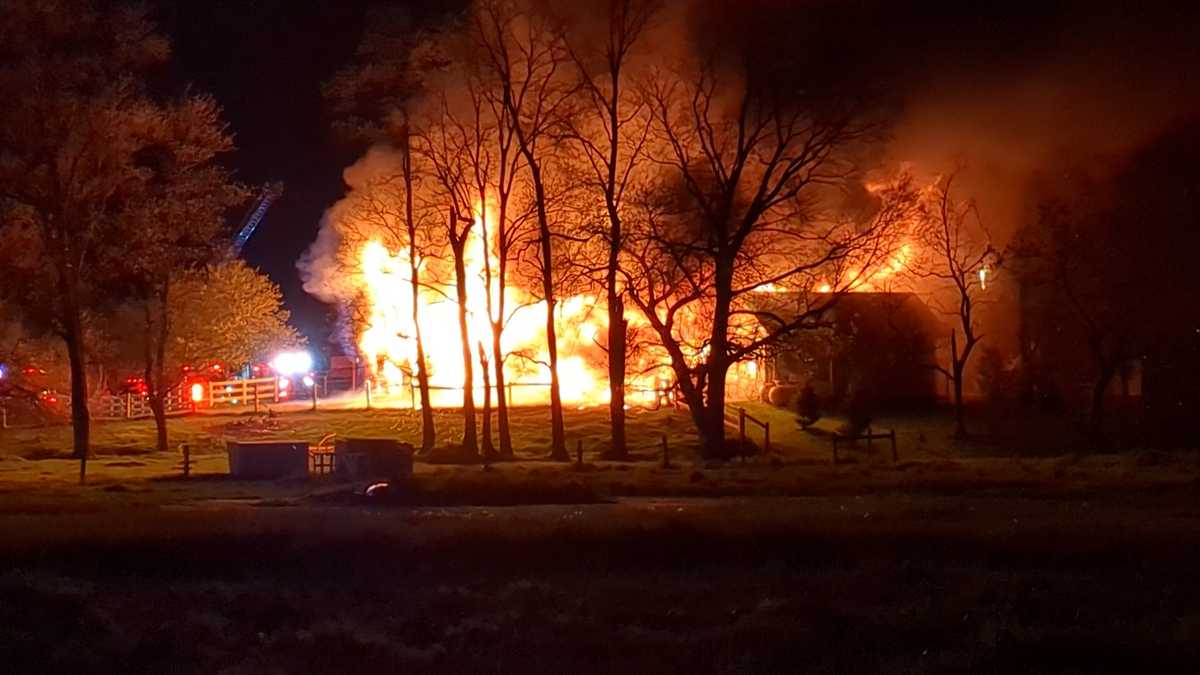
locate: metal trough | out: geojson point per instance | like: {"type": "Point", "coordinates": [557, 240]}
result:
{"type": "Point", "coordinates": [267, 459]}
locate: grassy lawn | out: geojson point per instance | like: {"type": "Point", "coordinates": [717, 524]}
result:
{"type": "Point", "coordinates": [919, 436]}
{"type": "Point", "coordinates": [37, 475]}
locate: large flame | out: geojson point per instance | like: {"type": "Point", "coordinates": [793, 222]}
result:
{"type": "Point", "coordinates": [361, 261]}
{"type": "Point", "coordinates": [387, 336]}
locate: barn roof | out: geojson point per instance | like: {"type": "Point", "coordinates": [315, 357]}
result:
{"type": "Point", "coordinates": [901, 311]}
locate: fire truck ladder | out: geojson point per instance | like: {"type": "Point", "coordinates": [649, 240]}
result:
{"type": "Point", "coordinates": [270, 193]}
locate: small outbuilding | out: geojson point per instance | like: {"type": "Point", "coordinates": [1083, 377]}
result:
{"type": "Point", "coordinates": [883, 345]}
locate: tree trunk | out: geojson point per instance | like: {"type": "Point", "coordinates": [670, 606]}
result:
{"type": "Point", "coordinates": [960, 424]}
{"type": "Point", "coordinates": [558, 442]}
{"type": "Point", "coordinates": [489, 450]}
{"type": "Point", "coordinates": [506, 448]}
{"type": "Point", "coordinates": [616, 362]}
{"type": "Point", "coordinates": [156, 376]}
{"type": "Point", "coordinates": [617, 326]}
{"type": "Point", "coordinates": [80, 429]}
{"type": "Point", "coordinates": [495, 310]}
{"type": "Point", "coordinates": [1097, 412]}
{"type": "Point", "coordinates": [158, 407]}
{"type": "Point", "coordinates": [428, 432]}
{"type": "Point", "coordinates": [470, 440]}
{"type": "Point", "coordinates": [957, 367]}
{"type": "Point", "coordinates": [713, 433]}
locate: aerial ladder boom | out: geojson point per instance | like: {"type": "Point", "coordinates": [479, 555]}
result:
{"type": "Point", "coordinates": [269, 194]}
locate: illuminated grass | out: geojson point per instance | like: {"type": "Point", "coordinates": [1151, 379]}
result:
{"type": "Point", "coordinates": [37, 474]}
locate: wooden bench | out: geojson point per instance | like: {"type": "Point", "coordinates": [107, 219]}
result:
{"type": "Point", "coordinates": [869, 436]}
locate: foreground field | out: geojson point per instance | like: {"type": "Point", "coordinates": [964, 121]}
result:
{"type": "Point", "coordinates": [928, 584]}
{"type": "Point", "coordinates": [958, 558]}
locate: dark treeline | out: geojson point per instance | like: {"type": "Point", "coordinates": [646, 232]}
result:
{"type": "Point", "coordinates": [113, 210]}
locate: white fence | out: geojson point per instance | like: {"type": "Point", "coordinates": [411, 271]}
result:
{"type": "Point", "coordinates": [134, 406]}
{"type": "Point", "coordinates": [241, 392]}
{"type": "Point", "coordinates": [179, 401]}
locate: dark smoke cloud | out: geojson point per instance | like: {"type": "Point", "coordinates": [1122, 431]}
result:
{"type": "Point", "coordinates": [1085, 96]}
{"type": "Point", "coordinates": [1007, 95]}
{"type": "Point", "coordinates": [998, 91]}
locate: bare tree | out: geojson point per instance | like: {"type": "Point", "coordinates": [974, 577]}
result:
{"type": "Point", "coordinates": [524, 52]}
{"type": "Point", "coordinates": [382, 209]}
{"type": "Point", "coordinates": [610, 130]}
{"type": "Point", "coordinates": [503, 239]}
{"type": "Point", "coordinates": [494, 162]}
{"type": "Point", "coordinates": [448, 146]}
{"type": "Point", "coordinates": [428, 433]}
{"type": "Point", "coordinates": [375, 98]}
{"type": "Point", "coordinates": [954, 252]}
{"type": "Point", "coordinates": [738, 213]}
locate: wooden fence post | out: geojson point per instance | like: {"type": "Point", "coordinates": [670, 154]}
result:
{"type": "Point", "coordinates": [187, 459]}
{"type": "Point", "coordinates": [742, 433]}
{"type": "Point", "coordinates": [314, 395]}
{"type": "Point", "coordinates": [255, 394]}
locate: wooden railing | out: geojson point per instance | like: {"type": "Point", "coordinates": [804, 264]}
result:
{"type": "Point", "coordinates": [738, 417]}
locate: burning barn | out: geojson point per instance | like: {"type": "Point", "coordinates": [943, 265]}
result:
{"type": "Point", "coordinates": [882, 345]}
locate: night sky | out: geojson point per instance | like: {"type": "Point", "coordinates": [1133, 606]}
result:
{"type": "Point", "coordinates": [265, 62]}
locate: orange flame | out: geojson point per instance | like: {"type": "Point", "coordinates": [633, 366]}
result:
{"type": "Point", "coordinates": [387, 337]}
